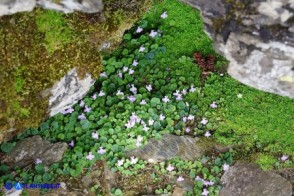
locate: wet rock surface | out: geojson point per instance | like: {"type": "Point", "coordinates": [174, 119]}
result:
{"type": "Point", "coordinates": [248, 179]}
{"type": "Point", "coordinates": [169, 146]}
{"type": "Point", "coordinates": [28, 150]}
{"type": "Point", "coordinates": [67, 6]}
{"type": "Point", "coordinates": [256, 37]}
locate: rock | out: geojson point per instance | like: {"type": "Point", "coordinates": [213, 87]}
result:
{"type": "Point", "coordinates": [185, 147]}
{"type": "Point", "coordinates": [67, 6]}
{"type": "Point", "coordinates": [249, 180]}
{"type": "Point", "coordinates": [28, 150]}
{"type": "Point", "coordinates": [256, 37]}
{"type": "Point", "coordinates": [178, 192]}
{"type": "Point", "coordinates": [109, 179]}
{"type": "Point", "coordinates": [13, 6]}
{"type": "Point", "coordinates": [91, 179]}
{"type": "Point", "coordinates": [67, 91]}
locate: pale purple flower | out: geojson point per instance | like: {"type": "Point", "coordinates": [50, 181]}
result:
{"type": "Point", "coordinates": [38, 161]}
{"type": "Point", "coordinates": [188, 129]}
{"type": "Point", "coordinates": [226, 167]}
{"type": "Point", "coordinates": [120, 162]}
{"type": "Point", "coordinates": [142, 49]}
{"type": "Point", "coordinates": [145, 128]}
{"type": "Point", "coordinates": [239, 96]}
{"type": "Point", "coordinates": [164, 15]}
{"type": "Point", "coordinates": [150, 122]}
{"type": "Point", "coordinates": [82, 117]}
{"type": "Point", "coordinates": [101, 93]}
{"type": "Point", "coordinates": [153, 33]}
{"type": "Point", "coordinates": [125, 69]}
{"type": "Point", "coordinates": [134, 160]}
{"type": "Point", "coordinates": [120, 94]}
{"type": "Point", "coordinates": [131, 71]}
{"type": "Point", "coordinates": [213, 105]}
{"type": "Point", "coordinates": [132, 98]}
{"type": "Point", "coordinates": [103, 74]}
{"type": "Point", "coordinates": [176, 93]}
{"type": "Point", "coordinates": [72, 143]}
{"type": "Point", "coordinates": [87, 109]}
{"type": "Point", "coordinates": [133, 89]}
{"type": "Point", "coordinates": [101, 150]}
{"type": "Point", "coordinates": [143, 102]}
{"type": "Point", "coordinates": [130, 124]}
{"type": "Point", "coordinates": [95, 135]}
{"type": "Point", "coordinates": [192, 89]}
{"type": "Point", "coordinates": [94, 96]}
{"type": "Point", "coordinates": [184, 91]}
{"type": "Point", "coordinates": [139, 30]}
{"type": "Point", "coordinates": [161, 117]}
{"type": "Point", "coordinates": [180, 179]}
{"type": "Point", "coordinates": [170, 168]}
{"type": "Point", "coordinates": [207, 134]}
{"type": "Point", "coordinates": [179, 97]}
{"type": "Point", "coordinates": [204, 121]}
{"type": "Point", "coordinates": [198, 178]}
{"type": "Point", "coordinates": [90, 156]}
{"type": "Point", "coordinates": [191, 117]}
{"type": "Point", "coordinates": [82, 103]}
{"type": "Point", "coordinates": [139, 138]}
{"type": "Point", "coordinates": [70, 110]}
{"type": "Point", "coordinates": [135, 63]}
{"type": "Point", "coordinates": [284, 157]}
{"type": "Point", "coordinates": [138, 144]}
{"type": "Point", "coordinates": [205, 192]}
{"type": "Point", "coordinates": [165, 99]}
{"type": "Point", "coordinates": [184, 119]}
{"type": "Point", "coordinates": [120, 75]}
{"type": "Point", "coordinates": [64, 112]}
{"type": "Point", "coordinates": [149, 87]}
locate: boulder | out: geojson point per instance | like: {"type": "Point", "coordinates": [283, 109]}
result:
{"type": "Point", "coordinates": [256, 37]}
{"type": "Point", "coordinates": [27, 151]}
{"type": "Point", "coordinates": [247, 179]}
{"type": "Point", "coordinates": [185, 147]}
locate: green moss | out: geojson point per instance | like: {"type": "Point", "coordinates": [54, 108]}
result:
{"type": "Point", "coordinates": [39, 47]}
{"type": "Point", "coordinates": [257, 120]}
{"type": "Point", "coordinates": [266, 162]}
{"type": "Point", "coordinates": [55, 28]}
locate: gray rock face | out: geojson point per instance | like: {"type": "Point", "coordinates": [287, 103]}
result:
{"type": "Point", "coordinates": [245, 179]}
{"type": "Point", "coordinates": [13, 6]}
{"type": "Point", "coordinates": [67, 6]}
{"type": "Point", "coordinates": [28, 150]}
{"type": "Point", "coordinates": [256, 37]}
{"type": "Point", "coordinates": [67, 91]}
{"type": "Point", "coordinates": [187, 148]}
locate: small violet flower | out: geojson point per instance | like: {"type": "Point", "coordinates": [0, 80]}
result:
{"type": "Point", "coordinates": [188, 129]}
{"type": "Point", "coordinates": [101, 93]}
{"type": "Point", "coordinates": [284, 157]}
{"type": "Point", "coordinates": [180, 179]}
{"type": "Point", "coordinates": [192, 89]}
{"type": "Point", "coordinates": [165, 99]}
{"type": "Point", "coordinates": [87, 109]}
{"type": "Point", "coordinates": [101, 150]}
{"type": "Point", "coordinates": [153, 33]}
{"type": "Point", "coordinates": [95, 135]}
{"type": "Point", "coordinates": [239, 96]}
{"type": "Point", "coordinates": [103, 74]}
{"type": "Point", "coordinates": [164, 15]}
{"type": "Point", "coordinates": [134, 160]}
{"type": "Point", "coordinates": [82, 117]}
{"type": "Point", "coordinates": [120, 94]}
{"type": "Point", "coordinates": [72, 143]}
{"type": "Point", "coordinates": [213, 105]}
{"type": "Point", "coordinates": [38, 161]}
{"type": "Point", "coordinates": [120, 162]}
{"type": "Point", "coordinates": [143, 102]}
{"type": "Point", "coordinates": [82, 103]}
{"type": "Point", "coordinates": [139, 30]}
{"type": "Point", "coordinates": [141, 49]}
{"type": "Point", "coordinates": [191, 117]}
{"type": "Point", "coordinates": [205, 192]}
{"type": "Point", "coordinates": [151, 122]}
{"type": "Point", "coordinates": [170, 168]}
{"type": "Point", "coordinates": [94, 96]}
{"type": "Point", "coordinates": [133, 89]}
{"type": "Point", "coordinates": [184, 119]}
{"type": "Point", "coordinates": [179, 97]}
{"type": "Point", "coordinates": [204, 121]}
{"type": "Point", "coordinates": [184, 91]}
{"type": "Point", "coordinates": [120, 75]}
{"type": "Point", "coordinates": [145, 128]}
{"type": "Point", "coordinates": [149, 87]}
{"type": "Point", "coordinates": [207, 134]}
{"type": "Point", "coordinates": [125, 69]}
{"type": "Point", "coordinates": [131, 71]}
{"type": "Point", "coordinates": [132, 98]}
{"type": "Point", "coordinates": [226, 167]}
{"type": "Point", "coordinates": [135, 63]}
{"type": "Point", "coordinates": [90, 156]}
{"type": "Point", "coordinates": [161, 117]}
